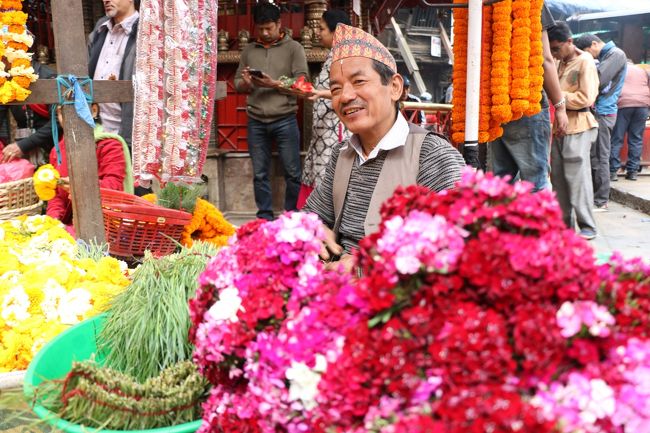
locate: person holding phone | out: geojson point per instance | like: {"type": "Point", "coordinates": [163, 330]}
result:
{"type": "Point", "coordinates": [271, 114]}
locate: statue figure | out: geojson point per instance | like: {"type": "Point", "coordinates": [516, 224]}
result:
{"type": "Point", "coordinates": [43, 54]}
{"type": "Point", "coordinates": [243, 36]}
{"type": "Point", "coordinates": [306, 36]}
{"type": "Point", "coordinates": [222, 40]}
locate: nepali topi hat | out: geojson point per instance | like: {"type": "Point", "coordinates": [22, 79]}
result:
{"type": "Point", "coordinates": [353, 42]}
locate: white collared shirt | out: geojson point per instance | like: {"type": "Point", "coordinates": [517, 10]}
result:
{"type": "Point", "coordinates": [109, 64]}
{"type": "Point", "coordinates": [395, 138]}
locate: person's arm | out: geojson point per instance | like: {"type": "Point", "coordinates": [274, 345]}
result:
{"type": "Point", "coordinates": [243, 82]}
{"type": "Point", "coordinates": [42, 138]}
{"type": "Point", "coordinates": [440, 164]}
{"type": "Point", "coordinates": [299, 62]}
{"type": "Point", "coordinates": [58, 206]}
{"type": "Point", "coordinates": [607, 70]}
{"type": "Point", "coordinates": [321, 203]}
{"type": "Point", "coordinates": [553, 89]}
{"type": "Point", "coordinates": [111, 166]}
{"type": "Point", "coordinates": [320, 93]}
{"type": "Point", "coordinates": [587, 91]}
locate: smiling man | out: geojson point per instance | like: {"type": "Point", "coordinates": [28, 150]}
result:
{"type": "Point", "coordinates": [384, 152]}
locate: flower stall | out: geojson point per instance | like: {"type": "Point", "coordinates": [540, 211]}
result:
{"type": "Point", "coordinates": [477, 311]}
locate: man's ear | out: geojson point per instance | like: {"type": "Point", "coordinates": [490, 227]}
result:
{"type": "Point", "coordinates": [396, 87]}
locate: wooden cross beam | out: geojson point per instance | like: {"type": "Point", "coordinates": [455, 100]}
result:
{"type": "Point", "coordinates": [72, 58]}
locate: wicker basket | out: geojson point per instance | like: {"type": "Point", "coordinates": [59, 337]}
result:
{"type": "Point", "coordinates": [35, 209]}
{"type": "Point", "coordinates": [133, 225]}
{"type": "Point", "coordinates": [18, 194]}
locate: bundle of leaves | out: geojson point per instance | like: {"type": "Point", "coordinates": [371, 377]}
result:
{"type": "Point", "coordinates": [180, 197]}
{"type": "Point", "coordinates": [100, 397]}
{"type": "Point", "coordinates": [146, 328]}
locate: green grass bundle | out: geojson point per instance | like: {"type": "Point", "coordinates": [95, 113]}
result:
{"type": "Point", "coordinates": [180, 197]}
{"type": "Point", "coordinates": [99, 397]}
{"type": "Point", "coordinates": [147, 325]}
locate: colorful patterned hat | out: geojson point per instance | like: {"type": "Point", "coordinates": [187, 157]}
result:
{"type": "Point", "coordinates": [353, 42]}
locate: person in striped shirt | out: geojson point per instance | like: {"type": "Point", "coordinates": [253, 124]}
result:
{"type": "Point", "coordinates": [384, 152]}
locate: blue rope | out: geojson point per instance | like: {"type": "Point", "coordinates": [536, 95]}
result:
{"type": "Point", "coordinates": [70, 92]}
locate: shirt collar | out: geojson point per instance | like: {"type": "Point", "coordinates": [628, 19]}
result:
{"type": "Point", "coordinates": [394, 138]}
{"type": "Point", "coordinates": [126, 24]}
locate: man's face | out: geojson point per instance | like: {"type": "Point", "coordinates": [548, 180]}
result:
{"type": "Point", "coordinates": [405, 93]}
{"type": "Point", "coordinates": [561, 50]}
{"type": "Point", "coordinates": [118, 8]}
{"type": "Point", "coordinates": [593, 49]}
{"type": "Point", "coordinates": [359, 99]}
{"type": "Point", "coordinates": [268, 32]}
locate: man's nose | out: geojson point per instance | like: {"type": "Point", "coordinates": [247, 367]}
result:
{"type": "Point", "coordinates": [347, 93]}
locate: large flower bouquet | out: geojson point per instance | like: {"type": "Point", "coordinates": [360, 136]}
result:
{"type": "Point", "coordinates": [477, 311]}
{"type": "Point", "coordinates": [46, 286]}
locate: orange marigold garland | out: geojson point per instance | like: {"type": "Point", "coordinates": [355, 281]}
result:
{"type": "Point", "coordinates": [15, 43]}
{"type": "Point", "coordinates": [501, 38]}
{"type": "Point", "coordinates": [536, 58]}
{"type": "Point", "coordinates": [207, 224]}
{"type": "Point", "coordinates": [486, 73]}
{"type": "Point", "coordinates": [519, 58]}
{"type": "Point", "coordinates": [459, 74]}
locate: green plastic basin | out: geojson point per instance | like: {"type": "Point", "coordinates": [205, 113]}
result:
{"type": "Point", "coordinates": [54, 361]}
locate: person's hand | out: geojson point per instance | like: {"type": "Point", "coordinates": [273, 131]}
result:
{"type": "Point", "coordinates": [265, 81]}
{"type": "Point", "coordinates": [319, 93]}
{"type": "Point", "coordinates": [346, 263]}
{"type": "Point", "coordinates": [246, 77]}
{"type": "Point", "coordinates": [329, 247]}
{"type": "Point", "coordinates": [561, 122]}
{"type": "Point", "coordinates": [11, 152]}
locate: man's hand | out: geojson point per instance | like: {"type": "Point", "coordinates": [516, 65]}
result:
{"type": "Point", "coordinates": [346, 263]}
{"type": "Point", "coordinates": [329, 248]}
{"type": "Point", "coordinates": [265, 81]}
{"type": "Point", "coordinates": [11, 152]}
{"type": "Point", "coordinates": [246, 77]}
{"type": "Point", "coordinates": [561, 122]}
{"type": "Point", "coordinates": [470, 153]}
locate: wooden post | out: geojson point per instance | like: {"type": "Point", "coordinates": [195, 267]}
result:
{"type": "Point", "coordinates": [72, 58]}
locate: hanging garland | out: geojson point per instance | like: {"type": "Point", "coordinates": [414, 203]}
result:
{"type": "Point", "coordinates": [14, 84]}
{"type": "Point", "coordinates": [520, 54]}
{"type": "Point", "coordinates": [512, 74]}
{"type": "Point", "coordinates": [502, 31]}
{"type": "Point", "coordinates": [486, 66]}
{"type": "Point", "coordinates": [459, 74]}
{"type": "Point", "coordinates": [175, 82]}
{"type": "Point", "coordinates": [536, 58]}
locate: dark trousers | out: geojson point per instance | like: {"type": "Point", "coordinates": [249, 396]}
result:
{"type": "Point", "coordinates": [286, 135]}
{"type": "Point", "coordinates": [600, 151]}
{"type": "Point", "coordinates": [630, 120]}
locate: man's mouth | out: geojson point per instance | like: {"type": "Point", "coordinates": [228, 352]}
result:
{"type": "Point", "coordinates": [351, 110]}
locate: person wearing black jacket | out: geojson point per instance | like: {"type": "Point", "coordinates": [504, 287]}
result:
{"type": "Point", "coordinates": [33, 124]}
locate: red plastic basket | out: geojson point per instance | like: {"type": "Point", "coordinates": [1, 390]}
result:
{"type": "Point", "coordinates": [111, 196]}
{"type": "Point", "coordinates": [132, 229]}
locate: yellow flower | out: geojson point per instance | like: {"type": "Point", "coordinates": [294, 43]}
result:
{"type": "Point", "coordinates": [151, 198]}
{"type": "Point", "coordinates": [46, 179]}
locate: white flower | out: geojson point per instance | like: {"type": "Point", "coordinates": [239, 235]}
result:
{"type": "Point", "coordinates": [74, 305]}
{"type": "Point", "coordinates": [53, 294]}
{"type": "Point", "coordinates": [14, 306]}
{"type": "Point", "coordinates": [304, 381]}
{"type": "Point", "coordinates": [600, 404]}
{"type": "Point", "coordinates": [2, 234]}
{"type": "Point", "coordinates": [227, 307]}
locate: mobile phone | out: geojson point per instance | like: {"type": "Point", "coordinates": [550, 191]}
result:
{"type": "Point", "coordinates": [256, 73]}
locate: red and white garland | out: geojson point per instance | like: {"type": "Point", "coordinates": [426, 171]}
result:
{"type": "Point", "coordinates": [175, 83]}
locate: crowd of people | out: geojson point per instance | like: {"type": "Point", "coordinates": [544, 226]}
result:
{"type": "Point", "coordinates": [362, 142]}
